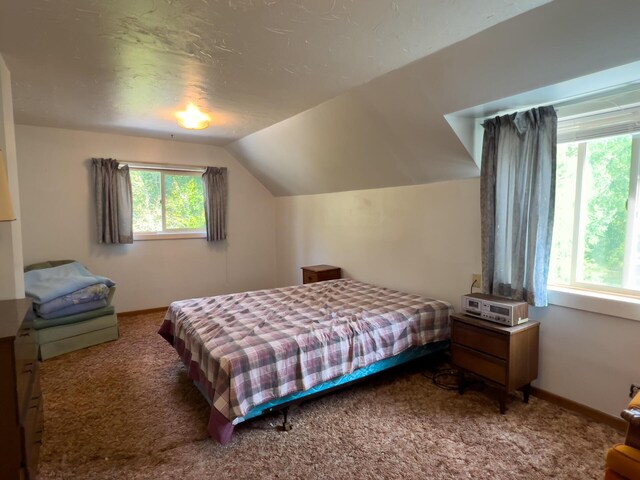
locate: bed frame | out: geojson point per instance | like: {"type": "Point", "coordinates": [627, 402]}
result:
{"type": "Point", "coordinates": [321, 390]}
{"type": "Point", "coordinates": [224, 430]}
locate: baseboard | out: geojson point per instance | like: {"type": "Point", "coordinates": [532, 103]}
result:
{"type": "Point", "coordinates": [617, 423]}
{"type": "Point", "coordinates": [133, 313]}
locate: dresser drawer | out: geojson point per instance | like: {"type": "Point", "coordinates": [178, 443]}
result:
{"type": "Point", "coordinates": [26, 355]}
{"type": "Point", "coordinates": [26, 347]}
{"type": "Point", "coordinates": [32, 429]}
{"type": "Point", "coordinates": [479, 363]}
{"type": "Point", "coordinates": [480, 339]}
{"type": "Point", "coordinates": [28, 386]}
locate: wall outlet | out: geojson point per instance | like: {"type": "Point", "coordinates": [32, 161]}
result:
{"type": "Point", "coordinates": [633, 390]}
{"type": "Point", "coordinates": [477, 278]}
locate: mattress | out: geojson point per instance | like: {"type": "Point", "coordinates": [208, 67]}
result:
{"type": "Point", "coordinates": [249, 348]}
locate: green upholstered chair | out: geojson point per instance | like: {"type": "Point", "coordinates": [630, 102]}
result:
{"type": "Point", "coordinates": [74, 332]}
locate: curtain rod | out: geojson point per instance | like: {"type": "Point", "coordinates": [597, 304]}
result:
{"type": "Point", "coordinates": [166, 166]}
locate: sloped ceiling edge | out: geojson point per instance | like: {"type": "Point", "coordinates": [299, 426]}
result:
{"type": "Point", "coordinates": [393, 131]}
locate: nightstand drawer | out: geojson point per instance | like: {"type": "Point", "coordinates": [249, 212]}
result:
{"type": "Point", "coordinates": [480, 339]}
{"type": "Point", "coordinates": [479, 363]}
{"type": "Point", "coordinates": [309, 277]}
{"type": "Point", "coordinates": [320, 273]}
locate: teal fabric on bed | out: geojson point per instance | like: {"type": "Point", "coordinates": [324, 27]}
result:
{"type": "Point", "coordinates": [385, 364]}
{"type": "Point", "coordinates": [39, 323]}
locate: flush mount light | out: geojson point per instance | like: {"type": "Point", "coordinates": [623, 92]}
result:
{"type": "Point", "coordinates": [192, 118]}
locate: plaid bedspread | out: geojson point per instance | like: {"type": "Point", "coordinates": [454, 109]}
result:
{"type": "Point", "coordinates": [253, 347]}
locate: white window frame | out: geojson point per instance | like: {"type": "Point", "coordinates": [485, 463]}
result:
{"type": "Point", "coordinates": [595, 298]}
{"type": "Point", "coordinates": [168, 234]}
{"type": "Point", "coordinates": [595, 302]}
{"type": "Point", "coordinates": [632, 223]}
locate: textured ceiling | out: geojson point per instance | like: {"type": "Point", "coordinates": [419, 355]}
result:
{"type": "Point", "coordinates": [392, 131]}
{"type": "Point", "coordinates": [126, 66]}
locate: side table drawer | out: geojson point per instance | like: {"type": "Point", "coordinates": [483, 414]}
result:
{"type": "Point", "coordinates": [309, 277]}
{"type": "Point", "coordinates": [479, 363]}
{"type": "Point", "coordinates": [320, 273]}
{"type": "Point", "coordinates": [480, 339]}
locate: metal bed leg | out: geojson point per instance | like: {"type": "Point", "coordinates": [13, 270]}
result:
{"type": "Point", "coordinates": [286, 426]}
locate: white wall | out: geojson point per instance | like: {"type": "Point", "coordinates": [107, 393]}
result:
{"type": "Point", "coordinates": [56, 191]}
{"type": "Point", "coordinates": [426, 239]}
{"type": "Point", "coordinates": [588, 357]}
{"type": "Point", "coordinates": [11, 277]}
{"type": "Point", "coordinates": [421, 239]}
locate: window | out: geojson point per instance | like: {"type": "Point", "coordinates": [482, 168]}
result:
{"type": "Point", "coordinates": [596, 242]}
{"type": "Point", "coordinates": [167, 203]}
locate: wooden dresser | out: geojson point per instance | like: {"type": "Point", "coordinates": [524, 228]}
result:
{"type": "Point", "coordinates": [320, 273]}
{"type": "Point", "coordinates": [21, 418]}
{"type": "Point", "coordinates": [507, 357]}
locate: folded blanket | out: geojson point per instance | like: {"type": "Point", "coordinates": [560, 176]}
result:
{"type": "Point", "coordinates": [74, 309]}
{"type": "Point", "coordinates": [46, 284]}
{"type": "Point", "coordinates": [99, 291]}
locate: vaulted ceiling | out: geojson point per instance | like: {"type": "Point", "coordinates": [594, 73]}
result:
{"type": "Point", "coordinates": [311, 95]}
{"type": "Point", "coordinates": [128, 65]}
{"type": "Point", "coordinates": [417, 124]}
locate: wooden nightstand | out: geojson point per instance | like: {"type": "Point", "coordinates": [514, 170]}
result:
{"type": "Point", "coordinates": [319, 273]}
{"type": "Point", "coordinates": [506, 357]}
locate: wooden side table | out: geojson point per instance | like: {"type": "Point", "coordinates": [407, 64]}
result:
{"type": "Point", "coordinates": [506, 357]}
{"type": "Point", "coordinates": [320, 273]}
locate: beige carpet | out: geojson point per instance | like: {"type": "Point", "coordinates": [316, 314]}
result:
{"type": "Point", "coordinates": [127, 410]}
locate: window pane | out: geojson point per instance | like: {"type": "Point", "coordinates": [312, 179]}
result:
{"type": "Point", "coordinates": [603, 215]}
{"type": "Point", "coordinates": [184, 202]}
{"type": "Point", "coordinates": [562, 246]}
{"type": "Point", "coordinates": [147, 201]}
{"type": "Point", "coordinates": [634, 260]}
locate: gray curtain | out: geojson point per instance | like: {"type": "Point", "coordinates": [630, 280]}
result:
{"type": "Point", "coordinates": [215, 202]}
{"type": "Point", "coordinates": [517, 201]}
{"type": "Point", "coordinates": [114, 212]}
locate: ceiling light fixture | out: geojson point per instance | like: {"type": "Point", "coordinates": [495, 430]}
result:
{"type": "Point", "coordinates": [192, 118]}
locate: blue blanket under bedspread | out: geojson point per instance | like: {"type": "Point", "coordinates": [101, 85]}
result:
{"type": "Point", "coordinates": [46, 284]}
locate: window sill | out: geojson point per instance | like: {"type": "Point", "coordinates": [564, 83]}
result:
{"type": "Point", "coordinates": [167, 236]}
{"type": "Point", "coordinates": [596, 302]}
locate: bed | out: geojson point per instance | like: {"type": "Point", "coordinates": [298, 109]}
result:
{"type": "Point", "coordinates": [250, 353]}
